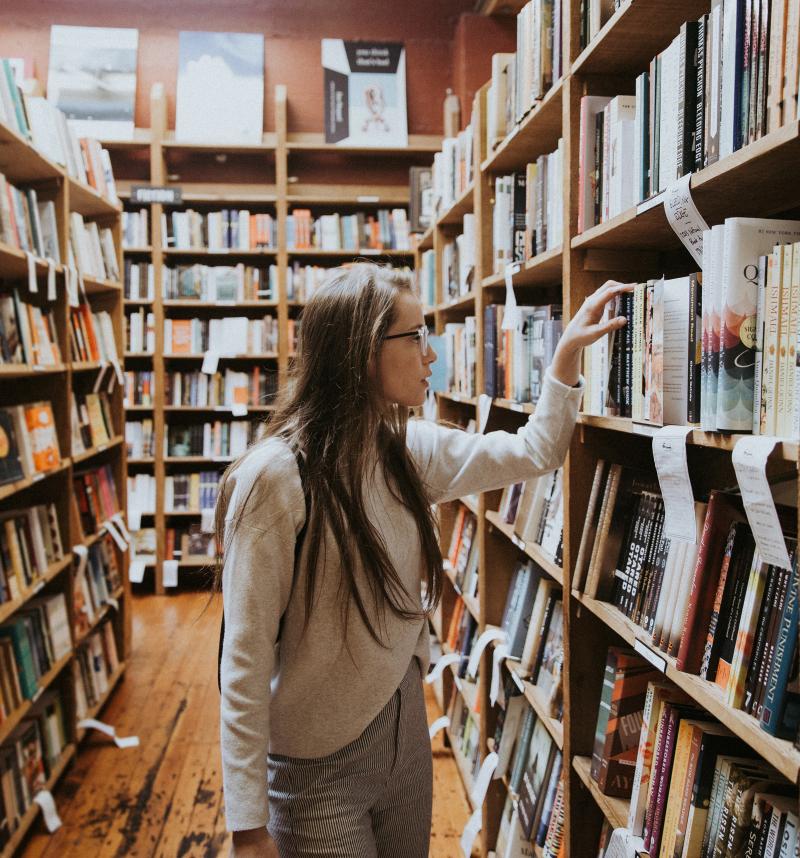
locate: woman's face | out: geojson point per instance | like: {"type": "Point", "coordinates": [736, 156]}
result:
{"type": "Point", "coordinates": [402, 370]}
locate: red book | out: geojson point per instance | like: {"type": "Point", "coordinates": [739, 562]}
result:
{"type": "Point", "coordinates": [722, 510]}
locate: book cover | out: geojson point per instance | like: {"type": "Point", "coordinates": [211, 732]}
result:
{"type": "Point", "coordinates": [10, 462]}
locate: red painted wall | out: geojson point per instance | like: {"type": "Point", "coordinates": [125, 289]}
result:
{"type": "Point", "coordinates": [292, 30]}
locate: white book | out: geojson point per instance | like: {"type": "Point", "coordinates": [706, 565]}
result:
{"type": "Point", "coordinates": [591, 105]}
{"type": "Point", "coordinates": [676, 356]}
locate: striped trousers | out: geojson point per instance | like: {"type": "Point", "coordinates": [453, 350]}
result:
{"type": "Point", "coordinates": [371, 799]}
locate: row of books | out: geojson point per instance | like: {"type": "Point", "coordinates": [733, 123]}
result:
{"type": "Point", "coordinates": [28, 758]}
{"type": "Point", "coordinates": [31, 642]}
{"type": "Point", "coordinates": [385, 230]}
{"type": "Point", "coordinates": [139, 281]}
{"type": "Point", "coordinates": [141, 501]}
{"type": "Point", "coordinates": [458, 262]}
{"type": "Point", "coordinates": [136, 228]}
{"type": "Point", "coordinates": [516, 360]}
{"type": "Point", "coordinates": [38, 120]}
{"type": "Point", "coordinates": [96, 582]}
{"type": "Point", "coordinates": [30, 542]}
{"type": "Point", "coordinates": [229, 229]}
{"type": "Point", "coordinates": [464, 732]}
{"type": "Point", "coordinates": [92, 420]}
{"type": "Point", "coordinates": [228, 335]}
{"type": "Point", "coordinates": [219, 283]}
{"type": "Point", "coordinates": [92, 335]}
{"type": "Point", "coordinates": [531, 763]}
{"type": "Point", "coordinates": [27, 333]}
{"type": "Point", "coordinates": [220, 439]}
{"type": "Point", "coordinates": [139, 439]}
{"type": "Point", "coordinates": [27, 222]}
{"type": "Point", "coordinates": [460, 357]}
{"type": "Point", "coordinates": [594, 15]}
{"type": "Point", "coordinates": [462, 633]}
{"type": "Point", "coordinates": [452, 169]}
{"type": "Point", "coordinates": [528, 213]}
{"type": "Point", "coordinates": [94, 664]}
{"type": "Point", "coordinates": [228, 388]}
{"type": "Point", "coordinates": [140, 331]}
{"type": "Point", "coordinates": [535, 509]}
{"type": "Point", "coordinates": [189, 543]}
{"type": "Point", "coordinates": [92, 249]}
{"type": "Point", "coordinates": [95, 493]}
{"type": "Point", "coordinates": [29, 441]}
{"type": "Point", "coordinates": [139, 388]}
{"type": "Point", "coordinates": [463, 554]}
{"type": "Point", "coordinates": [421, 208]}
{"type": "Point", "coordinates": [191, 492]}
{"type": "Point", "coordinates": [716, 607]}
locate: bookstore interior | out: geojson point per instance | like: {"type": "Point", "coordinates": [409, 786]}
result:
{"type": "Point", "coordinates": [614, 655]}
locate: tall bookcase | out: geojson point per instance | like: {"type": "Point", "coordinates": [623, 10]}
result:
{"type": "Point", "coordinates": [25, 167]}
{"type": "Point", "coordinates": [287, 170]}
{"type": "Point", "coordinates": [636, 245]}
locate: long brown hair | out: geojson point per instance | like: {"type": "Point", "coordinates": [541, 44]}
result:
{"type": "Point", "coordinates": [333, 413]}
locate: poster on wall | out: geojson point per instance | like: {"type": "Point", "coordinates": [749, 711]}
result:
{"type": "Point", "coordinates": [220, 88]}
{"type": "Point", "coordinates": [365, 93]}
{"type": "Point", "coordinates": [92, 78]}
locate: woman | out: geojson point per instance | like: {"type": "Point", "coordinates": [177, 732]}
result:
{"type": "Point", "coordinates": [328, 604]}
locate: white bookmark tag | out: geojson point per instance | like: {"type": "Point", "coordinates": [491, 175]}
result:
{"type": "Point", "coordinates": [441, 664]}
{"type": "Point", "coordinates": [207, 520]}
{"type": "Point", "coordinates": [110, 600]}
{"type": "Point", "coordinates": [239, 409]}
{"type": "Point", "coordinates": [484, 407]}
{"type": "Point", "coordinates": [480, 645]}
{"type": "Point", "coordinates": [82, 553]}
{"type": "Point", "coordinates": [510, 312]}
{"type": "Point", "coordinates": [136, 571]}
{"type": "Point", "coordinates": [120, 522]}
{"type": "Point", "coordinates": [51, 280]}
{"type": "Point", "coordinates": [118, 371]}
{"type": "Point", "coordinates": [471, 830]}
{"type": "Point", "coordinates": [72, 289]}
{"type": "Point", "coordinates": [170, 573]}
{"type": "Point", "coordinates": [33, 285]}
{"type": "Point", "coordinates": [44, 798]}
{"type": "Point", "coordinates": [98, 382]}
{"type": "Point", "coordinates": [438, 724]}
{"type": "Point", "coordinates": [483, 779]}
{"type": "Point", "coordinates": [499, 655]}
{"type": "Point", "coordinates": [112, 531]}
{"type": "Point", "coordinates": [684, 218]}
{"type": "Point", "coordinates": [669, 453]}
{"type": "Point", "coordinates": [135, 518]}
{"type": "Point", "coordinates": [750, 463]}
{"type": "Point", "coordinates": [210, 362]}
{"type": "Point", "coordinates": [109, 730]}
{"type": "Point", "coordinates": [623, 844]}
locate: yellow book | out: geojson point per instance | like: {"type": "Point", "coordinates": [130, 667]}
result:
{"type": "Point", "coordinates": [97, 424]}
{"type": "Point", "coordinates": [788, 395]}
{"type": "Point", "coordinates": [680, 765]}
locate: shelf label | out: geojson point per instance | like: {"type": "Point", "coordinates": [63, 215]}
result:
{"type": "Point", "coordinates": [498, 657]}
{"type": "Point", "coordinates": [82, 553]}
{"type": "Point", "coordinates": [72, 291]}
{"type": "Point", "coordinates": [120, 523]}
{"type": "Point", "coordinates": [480, 645]}
{"type": "Point", "coordinates": [517, 406]}
{"type": "Point", "coordinates": [438, 724]}
{"type": "Point", "coordinates": [51, 280]}
{"type": "Point", "coordinates": [483, 779]}
{"type": "Point", "coordinates": [368, 198]}
{"type": "Point", "coordinates": [44, 798]}
{"type": "Point", "coordinates": [471, 830]}
{"type": "Point", "coordinates": [136, 570]}
{"type": "Point", "coordinates": [170, 573]}
{"type": "Point", "coordinates": [210, 362]}
{"type": "Point", "coordinates": [686, 222]}
{"type": "Point", "coordinates": [658, 662]}
{"type": "Point", "coordinates": [750, 463]}
{"type": "Point", "coordinates": [156, 194]}
{"type": "Point", "coordinates": [510, 312]}
{"type": "Point", "coordinates": [109, 730]}
{"type": "Point", "coordinates": [517, 541]}
{"type": "Point", "coordinates": [114, 533]}
{"type": "Point", "coordinates": [484, 408]}
{"type": "Point", "coordinates": [33, 286]}
{"type": "Point", "coordinates": [114, 603]}
{"type": "Point", "coordinates": [438, 669]}
{"type": "Point", "coordinates": [135, 518]}
{"type": "Point", "coordinates": [239, 409]}
{"type": "Point", "coordinates": [669, 453]}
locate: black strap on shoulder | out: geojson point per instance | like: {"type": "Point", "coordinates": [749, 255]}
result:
{"type": "Point", "coordinates": [298, 547]}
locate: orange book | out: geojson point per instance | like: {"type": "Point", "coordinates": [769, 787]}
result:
{"type": "Point", "coordinates": [42, 429]}
{"type": "Point", "coordinates": [182, 336]}
{"type": "Point", "coordinates": [455, 541]}
{"type": "Point", "coordinates": [87, 160]}
{"type": "Point", "coordinates": [87, 323]}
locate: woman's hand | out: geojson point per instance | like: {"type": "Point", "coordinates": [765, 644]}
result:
{"type": "Point", "coordinates": [254, 843]}
{"type": "Point", "coordinates": [585, 327]}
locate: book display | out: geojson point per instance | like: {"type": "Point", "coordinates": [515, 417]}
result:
{"type": "Point", "coordinates": [663, 673]}
{"type": "Point", "coordinates": [65, 609]}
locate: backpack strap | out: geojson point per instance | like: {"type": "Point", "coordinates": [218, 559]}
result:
{"type": "Point", "coordinates": [298, 547]}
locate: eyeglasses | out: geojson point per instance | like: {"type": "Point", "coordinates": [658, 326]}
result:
{"type": "Point", "coordinates": [422, 338]}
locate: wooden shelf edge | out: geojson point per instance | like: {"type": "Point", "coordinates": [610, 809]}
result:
{"type": "Point", "coordinates": [615, 810]}
{"type": "Point", "coordinates": [530, 549]}
{"type": "Point", "coordinates": [10, 489]}
{"type": "Point", "coordinates": [8, 609]}
{"type": "Point", "coordinates": [111, 444]}
{"type": "Point", "coordinates": [533, 695]}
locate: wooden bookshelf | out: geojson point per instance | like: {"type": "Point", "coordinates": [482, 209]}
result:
{"type": "Point", "coordinates": [24, 166]}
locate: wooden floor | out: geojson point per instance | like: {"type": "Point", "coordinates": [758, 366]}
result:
{"type": "Point", "coordinates": [164, 798]}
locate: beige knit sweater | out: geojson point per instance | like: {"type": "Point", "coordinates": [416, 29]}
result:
{"type": "Point", "coordinates": [307, 697]}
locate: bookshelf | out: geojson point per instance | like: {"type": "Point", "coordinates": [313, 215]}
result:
{"type": "Point", "coordinates": [22, 384]}
{"type": "Point", "coordinates": [286, 171]}
{"type": "Point", "coordinates": [754, 181]}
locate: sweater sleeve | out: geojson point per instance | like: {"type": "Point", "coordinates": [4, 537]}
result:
{"type": "Point", "coordinates": [265, 513]}
{"type": "Point", "coordinates": [455, 463]}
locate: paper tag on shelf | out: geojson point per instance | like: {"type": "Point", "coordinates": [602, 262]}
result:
{"type": "Point", "coordinates": [170, 573]}
{"type": "Point", "coordinates": [98, 382]}
{"type": "Point", "coordinates": [480, 645]}
{"type": "Point", "coordinates": [622, 844]}
{"type": "Point", "coordinates": [658, 662]}
{"type": "Point", "coordinates": [136, 571]}
{"type": "Point", "coordinates": [118, 371]}
{"type": "Point", "coordinates": [239, 409]}
{"type": "Point", "coordinates": [111, 529]}
{"type": "Point", "coordinates": [368, 198]}
{"type": "Point", "coordinates": [687, 223]}
{"type": "Point", "coordinates": [72, 289]}
{"type": "Point", "coordinates": [498, 656]}
{"type": "Point", "coordinates": [109, 730]}
{"type": "Point", "coordinates": [51, 280]}
{"type": "Point", "coordinates": [110, 600]}
{"type": "Point", "coordinates": [669, 453]}
{"type": "Point", "coordinates": [207, 520]}
{"type": "Point", "coordinates": [120, 522]}
{"type": "Point", "coordinates": [510, 311]}
{"type": "Point", "coordinates": [135, 518]}
{"type": "Point", "coordinates": [478, 793]}
{"type": "Point", "coordinates": [44, 798]}
{"type": "Point", "coordinates": [210, 362]}
{"type": "Point", "coordinates": [82, 553]}
{"type": "Point", "coordinates": [441, 664]}
{"type": "Point", "coordinates": [750, 463]}
{"type": "Point", "coordinates": [484, 409]}
{"type": "Point", "coordinates": [33, 285]}
{"type": "Point", "coordinates": [471, 830]}
{"type": "Point", "coordinates": [438, 724]}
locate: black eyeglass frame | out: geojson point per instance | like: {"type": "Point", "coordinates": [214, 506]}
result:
{"type": "Point", "coordinates": [422, 332]}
